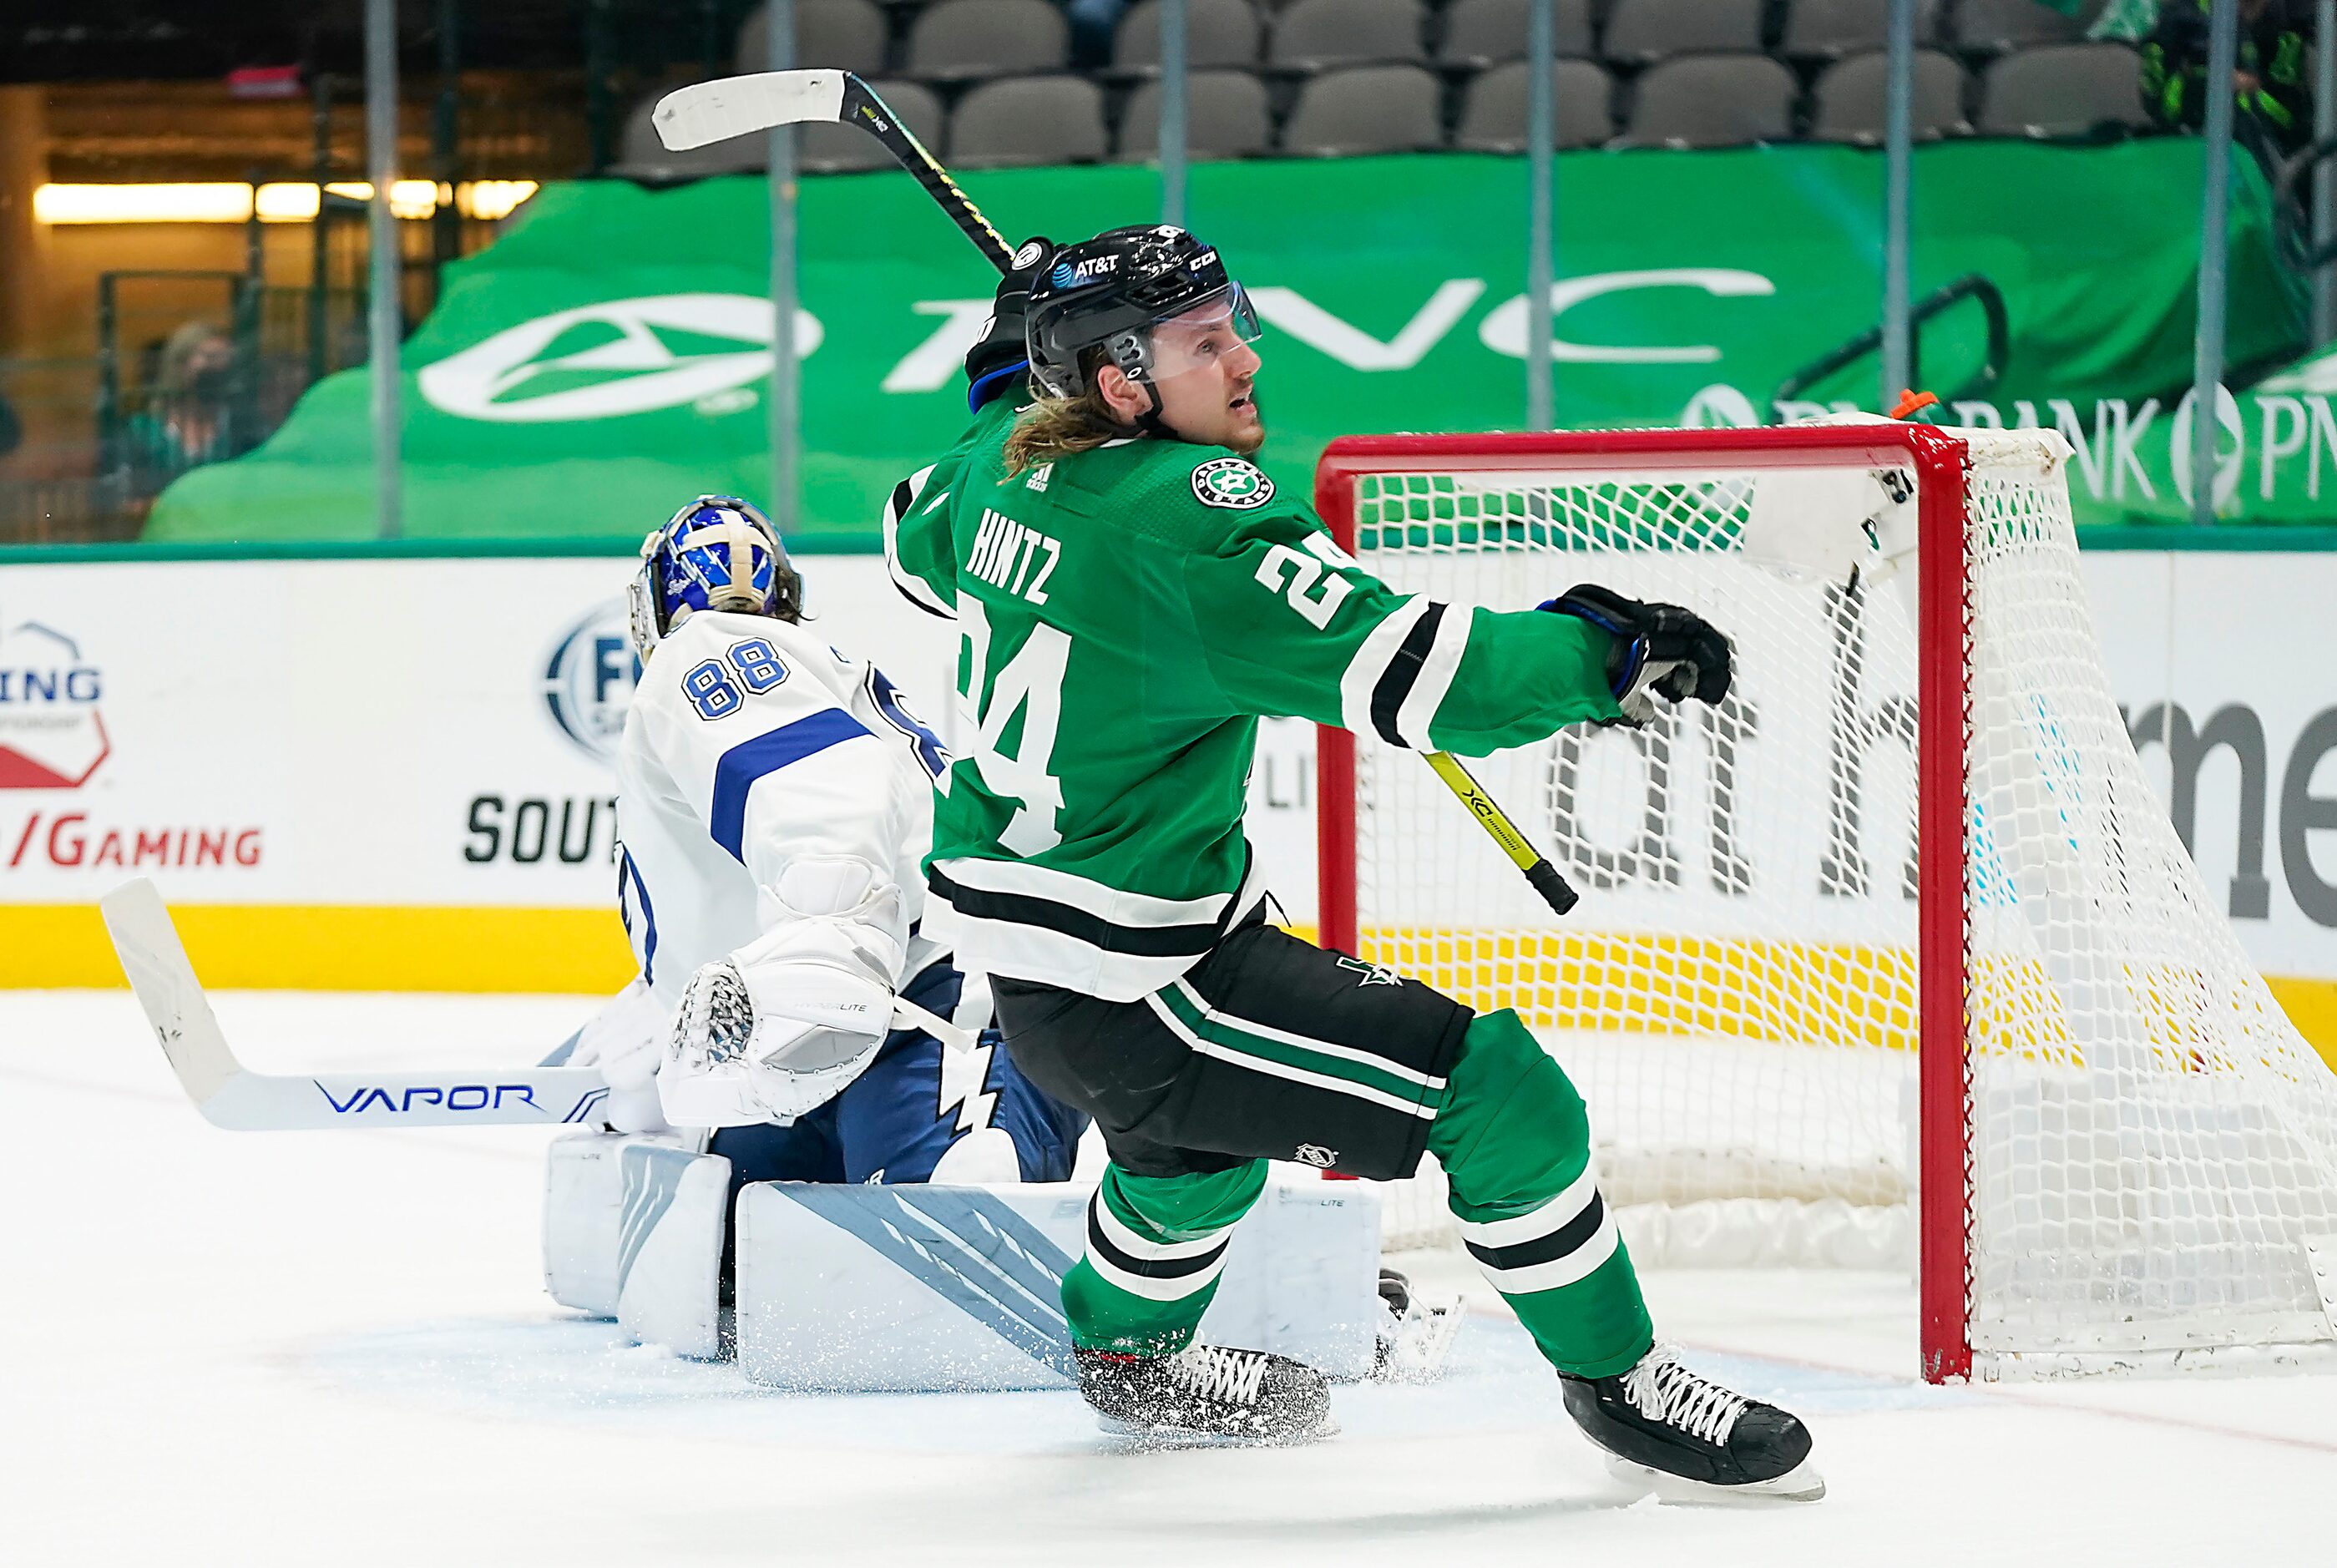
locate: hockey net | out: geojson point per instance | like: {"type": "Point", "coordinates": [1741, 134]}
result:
{"type": "Point", "coordinates": [1896, 952]}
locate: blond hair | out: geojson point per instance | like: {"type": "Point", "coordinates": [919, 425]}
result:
{"type": "Point", "coordinates": [1057, 428]}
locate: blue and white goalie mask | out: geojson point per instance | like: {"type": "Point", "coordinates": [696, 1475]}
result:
{"type": "Point", "coordinates": [716, 554]}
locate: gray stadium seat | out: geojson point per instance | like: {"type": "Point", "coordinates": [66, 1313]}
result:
{"type": "Point", "coordinates": [1483, 33]}
{"type": "Point", "coordinates": [642, 157]}
{"type": "Point", "coordinates": [1493, 110]}
{"type": "Point", "coordinates": [840, 149]}
{"type": "Point", "coordinates": [1314, 33]}
{"type": "Point", "coordinates": [1711, 101]}
{"type": "Point", "coordinates": [846, 35]}
{"type": "Point", "coordinates": [1217, 32]}
{"type": "Point", "coordinates": [1851, 96]}
{"type": "Point", "coordinates": [1639, 31]}
{"type": "Point", "coordinates": [1365, 109]}
{"type": "Point", "coordinates": [959, 39]}
{"type": "Point", "coordinates": [2062, 90]}
{"type": "Point", "coordinates": [1225, 117]}
{"type": "Point", "coordinates": [1029, 120]}
{"type": "Point", "coordinates": [1993, 27]}
{"type": "Point", "coordinates": [1832, 29]}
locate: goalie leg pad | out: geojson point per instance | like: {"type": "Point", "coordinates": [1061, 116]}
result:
{"type": "Point", "coordinates": [633, 1230]}
{"type": "Point", "coordinates": [925, 1288]}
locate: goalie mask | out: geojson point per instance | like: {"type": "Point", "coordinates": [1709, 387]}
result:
{"type": "Point", "coordinates": [716, 554]}
{"type": "Point", "coordinates": [1119, 293]}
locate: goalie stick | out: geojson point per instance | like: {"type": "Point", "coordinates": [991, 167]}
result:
{"type": "Point", "coordinates": [708, 112]}
{"type": "Point", "coordinates": [230, 1095]}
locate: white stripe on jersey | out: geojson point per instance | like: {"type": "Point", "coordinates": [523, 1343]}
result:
{"type": "Point", "coordinates": [911, 587]}
{"type": "Point", "coordinates": [1105, 903]}
{"type": "Point", "coordinates": [1436, 677]}
{"type": "Point", "coordinates": [1373, 656]}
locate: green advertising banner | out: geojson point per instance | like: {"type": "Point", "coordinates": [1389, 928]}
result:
{"type": "Point", "coordinates": [608, 357]}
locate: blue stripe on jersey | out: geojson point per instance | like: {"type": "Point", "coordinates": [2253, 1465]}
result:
{"type": "Point", "coordinates": [932, 755]}
{"type": "Point", "coordinates": [628, 875]}
{"type": "Point", "coordinates": [749, 760]}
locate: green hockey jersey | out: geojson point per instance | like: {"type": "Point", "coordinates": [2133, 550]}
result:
{"type": "Point", "coordinates": [1125, 616]}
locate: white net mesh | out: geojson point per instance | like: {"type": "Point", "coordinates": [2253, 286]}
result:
{"type": "Point", "coordinates": [2153, 1147]}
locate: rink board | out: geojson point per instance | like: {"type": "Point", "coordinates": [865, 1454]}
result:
{"type": "Point", "coordinates": [333, 793]}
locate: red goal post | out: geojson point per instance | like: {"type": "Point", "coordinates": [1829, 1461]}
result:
{"type": "Point", "coordinates": [1939, 463]}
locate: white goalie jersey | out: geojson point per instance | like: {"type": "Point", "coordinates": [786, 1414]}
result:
{"type": "Point", "coordinates": [774, 800]}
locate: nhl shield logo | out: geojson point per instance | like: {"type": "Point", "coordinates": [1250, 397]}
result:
{"type": "Point", "coordinates": [1232, 482]}
{"type": "Point", "coordinates": [1315, 1154]}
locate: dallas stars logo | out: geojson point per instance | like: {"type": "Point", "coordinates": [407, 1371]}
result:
{"type": "Point", "coordinates": [1232, 482]}
{"type": "Point", "coordinates": [1372, 974]}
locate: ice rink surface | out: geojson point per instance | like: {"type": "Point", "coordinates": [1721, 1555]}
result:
{"type": "Point", "coordinates": [335, 1348]}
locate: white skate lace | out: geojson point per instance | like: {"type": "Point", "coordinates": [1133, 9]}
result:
{"type": "Point", "coordinates": [1664, 1391]}
{"type": "Point", "coordinates": [1232, 1375]}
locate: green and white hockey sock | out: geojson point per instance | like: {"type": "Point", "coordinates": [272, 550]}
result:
{"type": "Point", "coordinates": [1515, 1143]}
{"type": "Point", "coordinates": [1155, 1247]}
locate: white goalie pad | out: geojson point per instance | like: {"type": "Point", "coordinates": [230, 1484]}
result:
{"type": "Point", "coordinates": [925, 1288]}
{"type": "Point", "coordinates": [632, 1230]}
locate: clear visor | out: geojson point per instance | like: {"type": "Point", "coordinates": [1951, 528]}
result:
{"type": "Point", "coordinates": [1205, 334]}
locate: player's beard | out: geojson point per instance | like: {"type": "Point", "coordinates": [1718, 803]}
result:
{"type": "Point", "coordinates": [1248, 445]}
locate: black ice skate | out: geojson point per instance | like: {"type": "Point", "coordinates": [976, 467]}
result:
{"type": "Point", "coordinates": [1664, 1424]}
{"type": "Point", "coordinates": [1205, 1391]}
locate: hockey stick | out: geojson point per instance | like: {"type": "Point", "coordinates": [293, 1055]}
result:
{"type": "Point", "coordinates": [231, 1096]}
{"type": "Point", "coordinates": [708, 112]}
{"type": "Point", "coordinates": [1547, 880]}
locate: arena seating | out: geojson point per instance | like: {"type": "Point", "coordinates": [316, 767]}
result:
{"type": "Point", "coordinates": [1710, 101]}
{"type": "Point", "coordinates": [1493, 107]}
{"type": "Point", "coordinates": [1227, 115]}
{"type": "Point", "coordinates": [1482, 33]}
{"type": "Point", "coordinates": [1847, 102]}
{"type": "Point", "coordinates": [994, 82]}
{"type": "Point", "coordinates": [849, 34]}
{"type": "Point", "coordinates": [1217, 32]}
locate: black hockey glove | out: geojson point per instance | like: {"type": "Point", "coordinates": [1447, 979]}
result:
{"type": "Point", "coordinates": [999, 356]}
{"type": "Point", "coordinates": [1660, 650]}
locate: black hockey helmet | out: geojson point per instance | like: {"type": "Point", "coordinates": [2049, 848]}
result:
{"type": "Point", "coordinates": [1109, 291]}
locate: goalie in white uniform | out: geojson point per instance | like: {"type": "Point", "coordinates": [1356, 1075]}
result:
{"type": "Point", "coordinates": [774, 798]}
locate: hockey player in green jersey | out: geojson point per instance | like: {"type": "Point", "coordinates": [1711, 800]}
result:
{"type": "Point", "coordinates": [1132, 592]}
